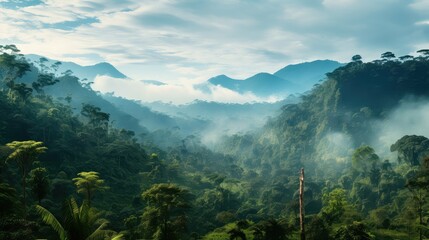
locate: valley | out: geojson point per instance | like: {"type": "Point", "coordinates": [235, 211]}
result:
{"type": "Point", "coordinates": [211, 170]}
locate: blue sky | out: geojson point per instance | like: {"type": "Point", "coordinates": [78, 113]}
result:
{"type": "Point", "coordinates": [184, 42]}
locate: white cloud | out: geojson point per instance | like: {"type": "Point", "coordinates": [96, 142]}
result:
{"type": "Point", "coordinates": [194, 40]}
{"type": "Point", "coordinates": [176, 93]}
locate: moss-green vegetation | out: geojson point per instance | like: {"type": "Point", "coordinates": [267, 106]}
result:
{"type": "Point", "coordinates": [244, 189]}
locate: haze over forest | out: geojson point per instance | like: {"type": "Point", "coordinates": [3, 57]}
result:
{"type": "Point", "coordinates": [186, 119]}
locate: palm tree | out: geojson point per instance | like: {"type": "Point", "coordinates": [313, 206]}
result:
{"type": "Point", "coordinates": [25, 153]}
{"type": "Point", "coordinates": [79, 223]}
{"type": "Point", "coordinates": [87, 183]}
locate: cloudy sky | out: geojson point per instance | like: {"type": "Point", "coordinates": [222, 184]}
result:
{"type": "Point", "coordinates": [183, 42]}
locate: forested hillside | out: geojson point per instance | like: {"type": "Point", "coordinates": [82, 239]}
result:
{"type": "Point", "coordinates": [69, 174]}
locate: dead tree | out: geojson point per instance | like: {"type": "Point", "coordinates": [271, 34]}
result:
{"type": "Point", "coordinates": [301, 204]}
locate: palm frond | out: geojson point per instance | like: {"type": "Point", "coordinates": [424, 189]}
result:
{"type": "Point", "coordinates": [74, 207]}
{"type": "Point", "coordinates": [119, 236]}
{"type": "Point", "coordinates": [99, 234]}
{"type": "Point", "coordinates": [50, 219]}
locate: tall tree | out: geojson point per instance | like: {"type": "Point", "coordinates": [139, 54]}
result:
{"type": "Point", "coordinates": [95, 116]}
{"type": "Point", "coordinates": [364, 158]}
{"type": "Point", "coordinates": [12, 64]}
{"type": "Point", "coordinates": [357, 58]}
{"type": "Point", "coordinates": [335, 203]}
{"type": "Point", "coordinates": [411, 148]}
{"type": "Point", "coordinates": [167, 204]}
{"type": "Point", "coordinates": [388, 56]}
{"type": "Point", "coordinates": [89, 182]}
{"type": "Point", "coordinates": [301, 204]}
{"type": "Point", "coordinates": [24, 154]}
{"type": "Point", "coordinates": [39, 183]}
{"type": "Point", "coordinates": [418, 187]}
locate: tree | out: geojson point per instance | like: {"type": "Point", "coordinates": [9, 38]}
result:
{"type": "Point", "coordinates": [357, 58]}
{"type": "Point", "coordinates": [12, 67]}
{"type": "Point", "coordinates": [97, 120]}
{"type": "Point", "coordinates": [39, 183]}
{"type": "Point", "coordinates": [164, 217]}
{"type": "Point", "coordinates": [334, 204]}
{"type": "Point", "coordinates": [418, 187]}
{"type": "Point", "coordinates": [424, 53]}
{"type": "Point", "coordinates": [87, 183]}
{"type": "Point", "coordinates": [19, 91]}
{"type": "Point", "coordinates": [24, 154]}
{"type": "Point", "coordinates": [364, 158]}
{"type": "Point", "coordinates": [273, 230]}
{"type": "Point", "coordinates": [44, 80]}
{"type": "Point", "coordinates": [78, 223]}
{"type": "Point", "coordinates": [388, 56]}
{"type": "Point", "coordinates": [375, 176]}
{"type": "Point", "coordinates": [12, 64]}
{"type": "Point", "coordinates": [406, 58]}
{"type": "Point", "coordinates": [411, 149]}
{"type": "Point", "coordinates": [354, 231]}
{"type": "Point", "coordinates": [96, 117]}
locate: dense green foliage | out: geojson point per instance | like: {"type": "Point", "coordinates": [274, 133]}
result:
{"type": "Point", "coordinates": [244, 189]}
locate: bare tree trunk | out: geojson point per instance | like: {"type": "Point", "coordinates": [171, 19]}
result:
{"type": "Point", "coordinates": [301, 204]}
{"type": "Point", "coordinates": [420, 214]}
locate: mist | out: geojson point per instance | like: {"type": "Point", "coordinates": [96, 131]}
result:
{"type": "Point", "coordinates": [171, 93]}
{"type": "Point", "coordinates": [335, 146]}
{"type": "Point", "coordinates": [223, 119]}
{"type": "Point", "coordinates": [411, 117]}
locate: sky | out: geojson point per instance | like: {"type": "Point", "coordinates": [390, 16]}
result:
{"type": "Point", "coordinates": [185, 42]}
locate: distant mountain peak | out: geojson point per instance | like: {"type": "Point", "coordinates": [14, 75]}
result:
{"type": "Point", "coordinates": [88, 72]}
{"type": "Point", "coordinates": [105, 68]}
{"type": "Point", "coordinates": [307, 73]}
{"type": "Point", "coordinates": [220, 77]}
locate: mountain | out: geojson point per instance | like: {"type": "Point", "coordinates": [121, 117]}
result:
{"type": "Point", "coordinates": [261, 84]}
{"type": "Point", "coordinates": [290, 79]}
{"type": "Point", "coordinates": [305, 75]}
{"type": "Point", "coordinates": [88, 72]}
{"type": "Point", "coordinates": [164, 124]}
{"type": "Point", "coordinates": [225, 81]}
{"type": "Point", "coordinates": [124, 113]}
{"type": "Point", "coordinates": [70, 86]}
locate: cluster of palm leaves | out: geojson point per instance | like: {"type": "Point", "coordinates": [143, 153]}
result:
{"type": "Point", "coordinates": [79, 222]}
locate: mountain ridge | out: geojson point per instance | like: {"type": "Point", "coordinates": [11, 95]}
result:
{"type": "Point", "coordinates": [88, 71]}
{"type": "Point", "coordinates": [293, 78]}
